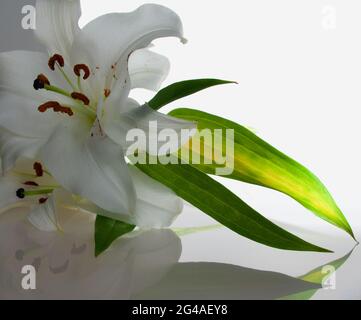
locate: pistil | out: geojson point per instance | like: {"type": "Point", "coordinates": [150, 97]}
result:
{"type": "Point", "coordinates": [40, 82]}
{"type": "Point", "coordinates": [22, 193]}
{"type": "Point", "coordinates": [39, 192]}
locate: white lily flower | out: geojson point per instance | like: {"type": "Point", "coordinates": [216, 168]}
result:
{"type": "Point", "coordinates": [27, 185]}
{"type": "Point", "coordinates": [73, 110]}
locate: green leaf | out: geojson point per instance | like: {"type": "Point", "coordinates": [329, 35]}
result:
{"type": "Point", "coordinates": [221, 204]}
{"type": "Point", "coordinates": [107, 231]}
{"type": "Point", "coordinates": [182, 89]}
{"type": "Point", "coordinates": [257, 162]}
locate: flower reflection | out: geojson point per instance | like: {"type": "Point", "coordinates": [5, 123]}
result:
{"type": "Point", "coordinates": [140, 266]}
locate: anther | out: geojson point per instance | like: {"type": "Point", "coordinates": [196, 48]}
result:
{"type": "Point", "coordinates": [56, 108]}
{"type": "Point", "coordinates": [56, 58]}
{"type": "Point", "coordinates": [81, 97]}
{"type": "Point", "coordinates": [84, 68]}
{"type": "Point", "coordinates": [107, 93]}
{"type": "Point", "coordinates": [40, 82]}
{"type": "Point", "coordinates": [48, 105]}
{"type": "Point", "coordinates": [20, 193]}
{"type": "Point", "coordinates": [31, 183]}
{"type": "Point", "coordinates": [38, 168]}
{"type": "Point", "coordinates": [43, 200]}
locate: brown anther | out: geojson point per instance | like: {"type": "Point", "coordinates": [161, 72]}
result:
{"type": "Point", "coordinates": [40, 82]}
{"type": "Point", "coordinates": [48, 105]}
{"type": "Point", "coordinates": [107, 92]}
{"type": "Point", "coordinates": [84, 68]}
{"type": "Point", "coordinates": [43, 200]}
{"type": "Point", "coordinates": [56, 58]}
{"type": "Point", "coordinates": [56, 108]}
{"type": "Point", "coordinates": [38, 168]}
{"type": "Point", "coordinates": [81, 97]}
{"type": "Point", "coordinates": [31, 183]}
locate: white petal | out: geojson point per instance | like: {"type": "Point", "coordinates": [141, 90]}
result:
{"type": "Point", "coordinates": [157, 206]}
{"type": "Point", "coordinates": [43, 216]}
{"type": "Point", "coordinates": [19, 101]}
{"type": "Point", "coordinates": [8, 187]}
{"type": "Point", "coordinates": [57, 24]}
{"type": "Point", "coordinates": [148, 69]}
{"type": "Point", "coordinates": [13, 147]}
{"type": "Point", "coordinates": [152, 123]}
{"type": "Point", "coordinates": [106, 42]}
{"type": "Point", "coordinates": [92, 167]}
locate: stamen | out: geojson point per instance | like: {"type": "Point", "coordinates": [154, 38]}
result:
{"type": "Point", "coordinates": [56, 58]}
{"type": "Point", "coordinates": [84, 68]}
{"type": "Point", "coordinates": [43, 200]}
{"type": "Point", "coordinates": [56, 108]}
{"type": "Point", "coordinates": [81, 97]}
{"type": "Point", "coordinates": [20, 193]}
{"type": "Point", "coordinates": [31, 183]}
{"type": "Point", "coordinates": [107, 92]}
{"type": "Point", "coordinates": [38, 169]}
{"type": "Point", "coordinates": [40, 82]}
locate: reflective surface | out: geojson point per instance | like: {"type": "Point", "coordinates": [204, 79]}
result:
{"type": "Point", "coordinates": [189, 264]}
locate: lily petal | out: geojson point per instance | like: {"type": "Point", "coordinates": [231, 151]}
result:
{"type": "Point", "coordinates": [13, 147]}
{"type": "Point", "coordinates": [57, 24]}
{"type": "Point", "coordinates": [43, 216]}
{"type": "Point", "coordinates": [8, 198]}
{"type": "Point", "coordinates": [148, 69]}
{"type": "Point", "coordinates": [156, 206]}
{"type": "Point", "coordinates": [153, 124]}
{"type": "Point", "coordinates": [106, 43]}
{"type": "Point", "coordinates": [92, 167]}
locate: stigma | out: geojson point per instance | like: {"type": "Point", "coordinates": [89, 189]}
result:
{"type": "Point", "coordinates": [40, 82]}
{"type": "Point", "coordinates": [20, 193]}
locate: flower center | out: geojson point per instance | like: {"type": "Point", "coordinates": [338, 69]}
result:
{"type": "Point", "coordinates": [80, 102]}
{"type": "Point", "coordinates": [33, 188]}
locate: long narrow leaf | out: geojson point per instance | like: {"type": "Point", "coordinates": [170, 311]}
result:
{"type": "Point", "coordinates": [182, 89]}
{"type": "Point", "coordinates": [218, 202]}
{"type": "Point", "coordinates": [257, 162]}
